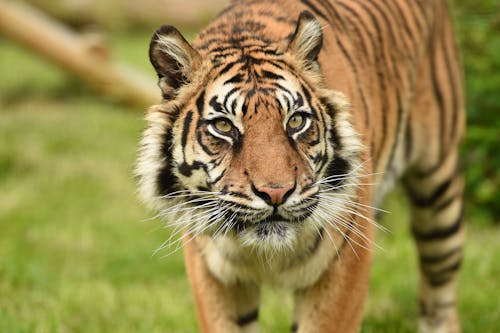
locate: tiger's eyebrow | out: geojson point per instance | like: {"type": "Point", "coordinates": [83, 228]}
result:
{"type": "Point", "coordinates": [299, 101]}
{"type": "Point", "coordinates": [231, 107]}
{"type": "Point", "coordinates": [218, 107]}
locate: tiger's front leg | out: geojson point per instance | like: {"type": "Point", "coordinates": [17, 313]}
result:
{"type": "Point", "coordinates": [220, 308]}
{"type": "Point", "coordinates": [336, 302]}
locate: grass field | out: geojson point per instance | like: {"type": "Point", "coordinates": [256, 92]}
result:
{"type": "Point", "coordinates": [76, 245]}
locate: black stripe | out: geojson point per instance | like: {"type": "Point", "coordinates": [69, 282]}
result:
{"type": "Point", "coordinates": [227, 67]}
{"type": "Point", "coordinates": [235, 79]}
{"type": "Point", "coordinates": [444, 103]}
{"type": "Point", "coordinates": [403, 20]}
{"type": "Point", "coordinates": [361, 24]}
{"type": "Point", "coordinates": [438, 234]}
{"type": "Point", "coordinates": [314, 9]}
{"type": "Point", "coordinates": [284, 89]}
{"type": "Point", "coordinates": [216, 105]}
{"type": "Point", "coordinates": [445, 204]}
{"type": "Point", "coordinates": [271, 75]}
{"type": "Point", "coordinates": [218, 178]}
{"type": "Point", "coordinates": [248, 318]}
{"type": "Point", "coordinates": [273, 15]}
{"type": "Point", "coordinates": [395, 142]}
{"type": "Point", "coordinates": [317, 242]}
{"type": "Point", "coordinates": [279, 64]}
{"type": "Point", "coordinates": [338, 167]}
{"type": "Point", "coordinates": [294, 328]}
{"type": "Point", "coordinates": [422, 11]}
{"type": "Point", "coordinates": [429, 172]}
{"type": "Point", "coordinates": [236, 194]}
{"type": "Point", "coordinates": [200, 102]}
{"type": "Point", "coordinates": [226, 98]}
{"type": "Point", "coordinates": [438, 94]}
{"type": "Point", "coordinates": [437, 258]}
{"type": "Point", "coordinates": [394, 41]}
{"type": "Point", "coordinates": [316, 140]}
{"type": "Point", "coordinates": [199, 138]}
{"type": "Point", "coordinates": [185, 129]}
{"type": "Point", "coordinates": [438, 282]}
{"type": "Point", "coordinates": [223, 53]}
{"type": "Point", "coordinates": [381, 70]}
{"type": "Point", "coordinates": [458, 80]}
{"type": "Point", "coordinates": [357, 29]}
{"type": "Point", "coordinates": [418, 23]}
{"type": "Point", "coordinates": [356, 76]}
{"type": "Point", "coordinates": [408, 139]}
{"type": "Point", "coordinates": [399, 110]}
{"type": "Point", "coordinates": [307, 94]}
{"type": "Point", "coordinates": [451, 84]}
{"type": "Point", "coordinates": [236, 207]}
{"type": "Point", "coordinates": [443, 275]}
{"type": "Point", "coordinates": [207, 43]}
{"type": "Point", "coordinates": [166, 181]}
{"type": "Point", "coordinates": [187, 169]}
{"type": "Point", "coordinates": [382, 15]}
{"type": "Point", "coordinates": [334, 136]}
{"type": "Point", "coordinates": [421, 201]}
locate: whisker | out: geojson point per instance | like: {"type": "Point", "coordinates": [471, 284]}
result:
{"type": "Point", "coordinates": [187, 193]}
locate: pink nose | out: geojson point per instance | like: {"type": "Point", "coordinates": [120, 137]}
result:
{"type": "Point", "coordinates": [275, 195]}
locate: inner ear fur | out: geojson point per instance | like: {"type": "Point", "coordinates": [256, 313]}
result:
{"type": "Point", "coordinates": [307, 39]}
{"type": "Point", "coordinates": [174, 60]}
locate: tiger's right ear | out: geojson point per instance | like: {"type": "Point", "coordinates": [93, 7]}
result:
{"type": "Point", "coordinates": [174, 60]}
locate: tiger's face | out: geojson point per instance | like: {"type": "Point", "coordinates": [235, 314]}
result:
{"type": "Point", "coordinates": [248, 144]}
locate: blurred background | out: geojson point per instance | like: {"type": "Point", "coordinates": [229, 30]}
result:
{"type": "Point", "coordinates": [76, 245]}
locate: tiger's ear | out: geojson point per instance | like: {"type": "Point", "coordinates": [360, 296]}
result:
{"type": "Point", "coordinates": [174, 60]}
{"type": "Point", "coordinates": [307, 39]}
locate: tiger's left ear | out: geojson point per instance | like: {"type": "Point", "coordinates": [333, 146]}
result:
{"type": "Point", "coordinates": [307, 39]}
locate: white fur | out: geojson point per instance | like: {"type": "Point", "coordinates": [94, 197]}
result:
{"type": "Point", "coordinates": [171, 46]}
{"type": "Point", "coordinates": [307, 38]}
{"type": "Point", "coordinates": [151, 160]}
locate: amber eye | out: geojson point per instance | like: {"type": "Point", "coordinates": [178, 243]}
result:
{"type": "Point", "coordinates": [296, 121]}
{"type": "Point", "coordinates": [223, 125]}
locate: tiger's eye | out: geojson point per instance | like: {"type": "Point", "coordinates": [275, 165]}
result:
{"type": "Point", "coordinates": [223, 125]}
{"type": "Point", "coordinates": [295, 121]}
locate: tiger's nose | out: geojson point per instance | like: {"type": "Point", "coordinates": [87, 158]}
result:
{"type": "Point", "coordinates": [274, 194]}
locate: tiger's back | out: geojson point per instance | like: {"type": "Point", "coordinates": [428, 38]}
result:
{"type": "Point", "coordinates": [287, 118]}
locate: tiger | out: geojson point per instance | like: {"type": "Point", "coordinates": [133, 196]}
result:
{"type": "Point", "coordinates": [281, 128]}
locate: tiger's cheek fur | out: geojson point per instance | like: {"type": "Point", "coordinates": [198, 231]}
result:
{"type": "Point", "coordinates": [155, 161]}
{"type": "Point", "coordinates": [316, 145]}
{"type": "Point", "coordinates": [189, 159]}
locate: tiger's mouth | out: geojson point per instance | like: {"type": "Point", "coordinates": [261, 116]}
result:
{"type": "Point", "coordinates": [273, 222]}
{"type": "Point", "coordinates": [270, 234]}
{"type": "Point", "coordinates": [273, 227]}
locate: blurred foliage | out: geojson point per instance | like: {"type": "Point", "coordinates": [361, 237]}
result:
{"type": "Point", "coordinates": [478, 28]}
{"type": "Point", "coordinates": [130, 15]}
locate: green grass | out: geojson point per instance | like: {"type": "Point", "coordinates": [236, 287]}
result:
{"type": "Point", "coordinates": [76, 245]}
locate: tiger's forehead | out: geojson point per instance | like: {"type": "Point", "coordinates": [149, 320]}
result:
{"type": "Point", "coordinates": [248, 84]}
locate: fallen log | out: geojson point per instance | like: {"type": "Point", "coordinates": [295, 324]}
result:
{"type": "Point", "coordinates": [83, 55]}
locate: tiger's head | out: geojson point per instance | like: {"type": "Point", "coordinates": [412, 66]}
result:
{"type": "Point", "coordinates": [248, 142]}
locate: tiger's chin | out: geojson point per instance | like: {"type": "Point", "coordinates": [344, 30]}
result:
{"type": "Point", "coordinates": [269, 237]}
